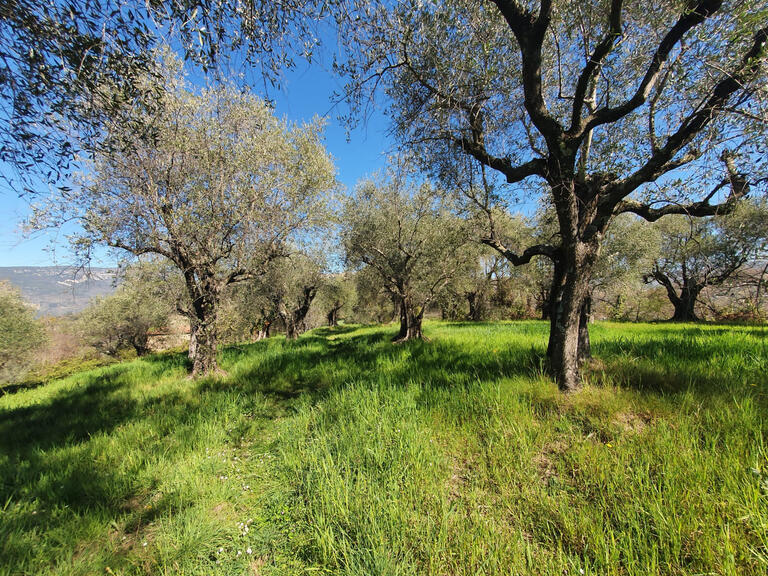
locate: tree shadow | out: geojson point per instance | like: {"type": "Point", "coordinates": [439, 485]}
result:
{"type": "Point", "coordinates": [290, 373]}
{"type": "Point", "coordinates": [675, 362]}
{"type": "Point", "coordinates": [69, 416]}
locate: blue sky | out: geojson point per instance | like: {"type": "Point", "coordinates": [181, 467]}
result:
{"type": "Point", "coordinates": [305, 93]}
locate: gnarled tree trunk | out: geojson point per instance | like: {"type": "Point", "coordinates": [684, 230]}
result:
{"type": "Point", "coordinates": [203, 338]}
{"type": "Point", "coordinates": [204, 355]}
{"type": "Point", "coordinates": [411, 317]}
{"type": "Point", "coordinates": [476, 301]}
{"type": "Point", "coordinates": [294, 320]}
{"type": "Point", "coordinates": [333, 314]}
{"type": "Point", "coordinates": [569, 344]}
{"type": "Point", "coordinates": [262, 328]}
{"type": "Point", "coordinates": [685, 304]}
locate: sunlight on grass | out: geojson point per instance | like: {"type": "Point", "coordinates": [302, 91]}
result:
{"type": "Point", "coordinates": [341, 453]}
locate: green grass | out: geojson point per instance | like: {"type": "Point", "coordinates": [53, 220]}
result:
{"type": "Point", "coordinates": [344, 454]}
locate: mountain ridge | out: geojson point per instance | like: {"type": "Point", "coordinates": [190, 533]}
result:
{"type": "Point", "coordinates": [59, 290]}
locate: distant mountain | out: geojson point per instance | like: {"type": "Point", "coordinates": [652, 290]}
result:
{"type": "Point", "coordinates": [59, 290]}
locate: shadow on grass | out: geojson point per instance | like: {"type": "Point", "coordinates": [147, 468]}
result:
{"type": "Point", "coordinates": [314, 364]}
{"type": "Point", "coordinates": [46, 458]}
{"type": "Point", "coordinates": [69, 416]}
{"type": "Point", "coordinates": [685, 360]}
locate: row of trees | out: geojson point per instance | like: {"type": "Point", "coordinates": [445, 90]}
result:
{"type": "Point", "coordinates": [601, 108]}
{"type": "Point", "coordinates": [409, 253]}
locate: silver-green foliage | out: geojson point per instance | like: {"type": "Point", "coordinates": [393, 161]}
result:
{"type": "Point", "coordinates": [218, 188]}
{"type": "Point", "coordinates": [408, 236]}
{"type": "Point", "coordinates": [122, 320]}
{"type": "Point", "coordinates": [21, 335]}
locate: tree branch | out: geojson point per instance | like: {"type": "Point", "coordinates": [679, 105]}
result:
{"type": "Point", "coordinates": [513, 174]}
{"type": "Point", "coordinates": [687, 21]}
{"type": "Point", "coordinates": [550, 252]}
{"type": "Point", "coordinates": [739, 189]}
{"type": "Point", "coordinates": [599, 54]}
{"type": "Point", "coordinates": [662, 160]}
{"type": "Point", "coordinates": [661, 278]}
{"type": "Point", "coordinates": [529, 31]}
{"type": "Point", "coordinates": [154, 249]}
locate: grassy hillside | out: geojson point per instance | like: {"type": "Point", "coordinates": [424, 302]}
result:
{"type": "Point", "coordinates": [344, 454]}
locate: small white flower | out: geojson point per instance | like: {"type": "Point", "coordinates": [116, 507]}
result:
{"type": "Point", "coordinates": [144, 544]}
{"type": "Point", "coordinates": [249, 551]}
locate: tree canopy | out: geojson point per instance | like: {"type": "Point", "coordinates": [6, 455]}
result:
{"type": "Point", "coordinates": [409, 237]}
{"type": "Point", "coordinates": [605, 107]}
{"type": "Point", "coordinates": [220, 192]}
{"type": "Point", "coordinates": [696, 254]}
{"type": "Point", "coordinates": [21, 334]}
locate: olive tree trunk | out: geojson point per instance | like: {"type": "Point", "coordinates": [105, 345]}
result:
{"type": "Point", "coordinates": [203, 338]}
{"type": "Point", "coordinates": [411, 317]}
{"type": "Point", "coordinates": [569, 344]}
{"type": "Point", "coordinates": [333, 314]}
{"type": "Point", "coordinates": [685, 304]}
{"type": "Point", "coordinates": [295, 320]}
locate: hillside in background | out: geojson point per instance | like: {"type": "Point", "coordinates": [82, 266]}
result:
{"type": "Point", "coordinates": [59, 290]}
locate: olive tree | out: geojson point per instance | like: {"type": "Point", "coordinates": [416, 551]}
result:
{"type": "Point", "coordinates": [293, 284]}
{"type": "Point", "coordinates": [69, 68]}
{"type": "Point", "coordinates": [21, 334]}
{"type": "Point", "coordinates": [409, 238]}
{"type": "Point", "coordinates": [123, 319]}
{"type": "Point", "coordinates": [283, 295]}
{"type": "Point", "coordinates": [336, 293]}
{"type": "Point", "coordinates": [601, 106]}
{"type": "Point", "coordinates": [219, 191]}
{"type": "Point", "coordinates": [66, 68]}
{"type": "Point", "coordinates": [700, 253]}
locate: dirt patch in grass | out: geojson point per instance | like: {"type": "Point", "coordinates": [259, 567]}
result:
{"type": "Point", "coordinates": [456, 483]}
{"type": "Point", "coordinates": [633, 422]}
{"type": "Point", "coordinates": [256, 565]}
{"type": "Point", "coordinates": [544, 460]}
{"type": "Point", "coordinates": [220, 511]}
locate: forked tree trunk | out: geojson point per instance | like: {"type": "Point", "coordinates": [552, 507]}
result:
{"type": "Point", "coordinates": [295, 320]}
{"type": "Point", "coordinates": [685, 305]}
{"type": "Point", "coordinates": [569, 336]}
{"type": "Point", "coordinates": [411, 318]}
{"type": "Point", "coordinates": [685, 302]}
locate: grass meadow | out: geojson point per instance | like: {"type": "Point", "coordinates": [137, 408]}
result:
{"type": "Point", "coordinates": [342, 453]}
